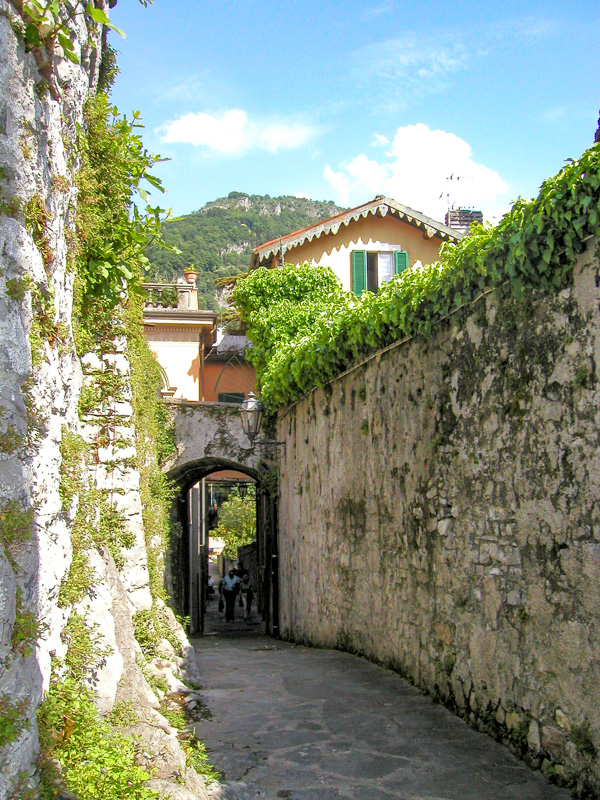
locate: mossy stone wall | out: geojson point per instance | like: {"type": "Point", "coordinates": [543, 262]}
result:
{"type": "Point", "coordinates": [440, 514]}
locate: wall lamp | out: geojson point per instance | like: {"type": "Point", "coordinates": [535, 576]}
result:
{"type": "Point", "coordinates": [252, 411]}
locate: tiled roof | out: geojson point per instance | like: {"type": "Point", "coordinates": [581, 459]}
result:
{"type": "Point", "coordinates": [380, 206]}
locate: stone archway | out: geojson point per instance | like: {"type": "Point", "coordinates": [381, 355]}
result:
{"type": "Point", "coordinates": [208, 430]}
{"type": "Point", "coordinates": [209, 438]}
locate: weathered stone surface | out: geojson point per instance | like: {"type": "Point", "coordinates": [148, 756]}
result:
{"type": "Point", "coordinates": [37, 132]}
{"type": "Point", "coordinates": [458, 541]}
{"type": "Point", "coordinates": [205, 431]}
{"type": "Point", "coordinates": [34, 134]}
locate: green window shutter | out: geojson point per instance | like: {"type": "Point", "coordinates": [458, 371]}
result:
{"type": "Point", "coordinates": [401, 261]}
{"type": "Point", "coordinates": [359, 271]}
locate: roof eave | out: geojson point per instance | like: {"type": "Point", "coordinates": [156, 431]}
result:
{"type": "Point", "coordinates": [381, 206]}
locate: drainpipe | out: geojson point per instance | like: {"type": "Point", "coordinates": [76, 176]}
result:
{"type": "Point", "coordinates": [201, 359]}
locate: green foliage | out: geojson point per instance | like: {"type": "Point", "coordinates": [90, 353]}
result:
{"type": "Point", "coordinates": [123, 714]}
{"type": "Point", "coordinates": [154, 443]}
{"type": "Point", "coordinates": [197, 757]}
{"type": "Point", "coordinates": [37, 219]}
{"type": "Point", "coordinates": [237, 521]}
{"type": "Point", "coordinates": [84, 651]}
{"type": "Point", "coordinates": [533, 248]}
{"type": "Point", "coordinates": [73, 451]}
{"type": "Point", "coordinates": [113, 531]}
{"type": "Point", "coordinates": [26, 629]}
{"type": "Point", "coordinates": [219, 237]}
{"type": "Point", "coordinates": [47, 23]}
{"type": "Point", "coordinates": [81, 576]}
{"type": "Point", "coordinates": [150, 628]}
{"type": "Point", "coordinates": [10, 439]}
{"type": "Point", "coordinates": [97, 762]}
{"type": "Point", "coordinates": [114, 166]}
{"type": "Point", "coordinates": [12, 719]}
{"type": "Point", "coordinates": [97, 522]}
{"type": "Point", "coordinates": [15, 523]}
{"type": "Point", "coordinates": [175, 712]}
{"type": "Point", "coordinates": [16, 288]}
{"type": "Point", "coordinates": [281, 306]}
{"type": "Point", "coordinates": [583, 739]}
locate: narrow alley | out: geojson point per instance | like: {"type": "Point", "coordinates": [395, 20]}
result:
{"type": "Point", "coordinates": [300, 723]}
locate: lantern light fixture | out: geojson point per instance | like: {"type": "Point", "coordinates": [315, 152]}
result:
{"type": "Point", "coordinates": [252, 411]}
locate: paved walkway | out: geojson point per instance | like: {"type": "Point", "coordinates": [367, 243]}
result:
{"type": "Point", "coordinates": [306, 724]}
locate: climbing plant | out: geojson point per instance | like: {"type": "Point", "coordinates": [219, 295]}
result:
{"type": "Point", "coordinates": [112, 230]}
{"type": "Point", "coordinates": [533, 248]}
{"type": "Point", "coordinates": [47, 23]}
{"type": "Point", "coordinates": [279, 306]}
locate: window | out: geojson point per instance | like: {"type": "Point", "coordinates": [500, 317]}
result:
{"type": "Point", "coordinates": [371, 269]}
{"type": "Point", "coordinates": [231, 397]}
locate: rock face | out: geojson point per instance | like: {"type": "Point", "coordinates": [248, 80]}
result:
{"type": "Point", "coordinates": [439, 514]}
{"type": "Point", "coordinates": [40, 383]}
{"type": "Point", "coordinates": [36, 134]}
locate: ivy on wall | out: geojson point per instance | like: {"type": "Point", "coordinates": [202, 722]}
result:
{"type": "Point", "coordinates": [113, 223]}
{"type": "Point", "coordinates": [533, 248]}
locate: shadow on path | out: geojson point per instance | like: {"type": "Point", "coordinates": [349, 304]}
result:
{"type": "Point", "coordinates": [215, 624]}
{"type": "Point", "coordinates": [306, 724]}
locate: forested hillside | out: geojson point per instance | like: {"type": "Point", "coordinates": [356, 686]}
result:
{"type": "Point", "coordinates": [218, 239]}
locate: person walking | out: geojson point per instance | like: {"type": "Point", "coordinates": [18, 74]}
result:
{"type": "Point", "coordinates": [246, 596]}
{"type": "Point", "coordinates": [229, 588]}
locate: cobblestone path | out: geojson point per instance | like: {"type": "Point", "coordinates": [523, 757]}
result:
{"type": "Point", "coordinates": [306, 724]}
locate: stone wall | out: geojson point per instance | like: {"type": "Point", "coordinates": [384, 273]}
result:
{"type": "Point", "coordinates": [41, 102]}
{"type": "Point", "coordinates": [37, 134]}
{"type": "Point", "coordinates": [440, 514]}
{"type": "Point", "coordinates": [211, 434]}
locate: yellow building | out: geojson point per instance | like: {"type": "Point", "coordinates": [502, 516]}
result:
{"type": "Point", "coordinates": [364, 246]}
{"type": "Point", "coordinates": [180, 335]}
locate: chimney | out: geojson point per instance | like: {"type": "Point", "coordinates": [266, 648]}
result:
{"type": "Point", "coordinates": [462, 218]}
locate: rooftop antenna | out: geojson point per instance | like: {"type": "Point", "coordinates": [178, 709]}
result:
{"type": "Point", "coordinates": [448, 192]}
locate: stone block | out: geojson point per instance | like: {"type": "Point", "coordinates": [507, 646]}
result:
{"type": "Point", "coordinates": [533, 736]}
{"type": "Point", "coordinates": [446, 526]}
{"type": "Point", "coordinates": [554, 741]}
{"type": "Point", "coordinates": [513, 598]}
{"type": "Point", "coordinates": [562, 720]}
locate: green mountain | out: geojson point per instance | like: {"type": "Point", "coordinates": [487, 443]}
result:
{"type": "Point", "coordinates": [218, 239]}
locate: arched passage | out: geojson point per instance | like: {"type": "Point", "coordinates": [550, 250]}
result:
{"type": "Point", "coordinates": [188, 559]}
{"type": "Point", "coordinates": [209, 437]}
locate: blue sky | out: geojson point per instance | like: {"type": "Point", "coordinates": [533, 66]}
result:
{"type": "Point", "coordinates": [344, 101]}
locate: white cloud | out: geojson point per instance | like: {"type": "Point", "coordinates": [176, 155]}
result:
{"type": "Point", "coordinates": [426, 170]}
{"type": "Point", "coordinates": [379, 140]}
{"type": "Point", "coordinates": [376, 11]}
{"type": "Point", "coordinates": [232, 132]}
{"type": "Point", "coordinates": [339, 183]}
{"type": "Point", "coordinates": [391, 73]}
{"type": "Point", "coordinates": [409, 66]}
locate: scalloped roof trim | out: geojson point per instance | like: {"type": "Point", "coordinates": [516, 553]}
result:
{"type": "Point", "coordinates": [379, 206]}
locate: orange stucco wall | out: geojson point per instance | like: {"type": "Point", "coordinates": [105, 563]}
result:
{"type": "Point", "coordinates": [372, 233]}
{"type": "Point", "coordinates": [219, 376]}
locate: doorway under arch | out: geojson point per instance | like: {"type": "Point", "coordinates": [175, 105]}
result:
{"type": "Point", "coordinates": [188, 567]}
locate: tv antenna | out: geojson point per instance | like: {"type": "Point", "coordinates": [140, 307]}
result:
{"type": "Point", "coordinates": [451, 181]}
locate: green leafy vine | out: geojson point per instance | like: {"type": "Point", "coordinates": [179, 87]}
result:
{"type": "Point", "coordinates": [305, 335]}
